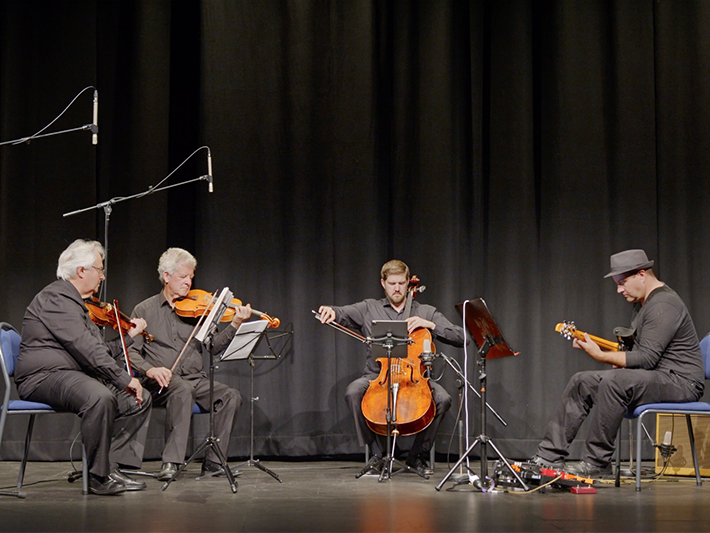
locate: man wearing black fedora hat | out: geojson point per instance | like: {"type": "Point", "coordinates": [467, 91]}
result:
{"type": "Point", "coordinates": [664, 365]}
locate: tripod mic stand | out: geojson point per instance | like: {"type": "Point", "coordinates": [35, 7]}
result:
{"type": "Point", "coordinates": [483, 439]}
{"type": "Point", "coordinates": [488, 337]}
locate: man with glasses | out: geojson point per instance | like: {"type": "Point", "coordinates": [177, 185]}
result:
{"type": "Point", "coordinates": [664, 365]}
{"type": "Point", "coordinates": [65, 362]}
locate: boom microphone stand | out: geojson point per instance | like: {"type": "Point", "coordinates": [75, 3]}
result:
{"type": "Point", "coordinates": [107, 206]}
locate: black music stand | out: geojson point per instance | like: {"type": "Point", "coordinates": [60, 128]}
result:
{"type": "Point", "coordinates": [491, 345]}
{"type": "Point", "coordinates": [204, 335]}
{"type": "Point", "coordinates": [389, 337]}
{"type": "Point", "coordinates": [242, 347]}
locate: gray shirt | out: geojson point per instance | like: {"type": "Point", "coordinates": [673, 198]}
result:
{"type": "Point", "coordinates": [170, 333]}
{"type": "Point", "coordinates": [58, 335]}
{"type": "Point", "coordinates": [665, 338]}
{"type": "Point", "coordinates": [360, 316]}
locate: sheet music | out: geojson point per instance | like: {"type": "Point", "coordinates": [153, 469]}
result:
{"type": "Point", "coordinates": [245, 340]}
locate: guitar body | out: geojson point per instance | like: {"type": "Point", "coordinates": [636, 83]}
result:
{"type": "Point", "coordinates": [569, 331]}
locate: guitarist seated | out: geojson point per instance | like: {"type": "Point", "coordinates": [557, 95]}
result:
{"type": "Point", "coordinates": [664, 365]}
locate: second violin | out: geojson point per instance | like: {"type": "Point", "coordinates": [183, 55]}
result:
{"type": "Point", "coordinates": [197, 302]}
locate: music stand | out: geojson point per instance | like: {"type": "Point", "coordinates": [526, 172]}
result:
{"type": "Point", "coordinates": [491, 345]}
{"type": "Point", "coordinates": [243, 346]}
{"type": "Point", "coordinates": [389, 339]}
{"type": "Point", "coordinates": [209, 326]}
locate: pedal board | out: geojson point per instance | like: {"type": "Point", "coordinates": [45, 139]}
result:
{"type": "Point", "coordinates": [536, 475]}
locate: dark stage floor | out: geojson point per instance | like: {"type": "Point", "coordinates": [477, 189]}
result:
{"type": "Point", "coordinates": [325, 496]}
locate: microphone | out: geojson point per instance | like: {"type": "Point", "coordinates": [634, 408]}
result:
{"type": "Point", "coordinates": [426, 356]}
{"type": "Point", "coordinates": [95, 125]}
{"type": "Point", "coordinates": [667, 449]}
{"type": "Point", "coordinates": [209, 170]}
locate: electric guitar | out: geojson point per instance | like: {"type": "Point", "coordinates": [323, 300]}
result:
{"type": "Point", "coordinates": [569, 331]}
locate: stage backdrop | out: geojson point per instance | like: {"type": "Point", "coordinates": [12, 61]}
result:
{"type": "Point", "coordinates": [502, 149]}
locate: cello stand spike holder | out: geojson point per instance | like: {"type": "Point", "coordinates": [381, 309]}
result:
{"type": "Point", "coordinates": [384, 464]}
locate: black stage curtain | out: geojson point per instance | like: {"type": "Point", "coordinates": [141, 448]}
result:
{"type": "Point", "coordinates": [502, 149]}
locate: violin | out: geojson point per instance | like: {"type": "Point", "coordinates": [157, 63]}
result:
{"type": "Point", "coordinates": [198, 302]}
{"type": "Point", "coordinates": [104, 314]}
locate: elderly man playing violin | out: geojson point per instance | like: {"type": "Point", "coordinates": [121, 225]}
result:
{"type": "Point", "coordinates": [394, 277]}
{"type": "Point", "coordinates": [65, 362]}
{"type": "Point", "coordinates": [178, 384]}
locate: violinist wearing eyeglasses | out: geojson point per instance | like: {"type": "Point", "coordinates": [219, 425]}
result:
{"type": "Point", "coordinates": [65, 362]}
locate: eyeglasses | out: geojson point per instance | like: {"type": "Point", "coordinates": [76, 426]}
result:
{"type": "Point", "coordinates": [99, 270]}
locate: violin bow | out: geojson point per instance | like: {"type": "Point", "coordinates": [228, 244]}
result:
{"type": "Point", "coordinates": [192, 334]}
{"type": "Point", "coordinates": [123, 345]}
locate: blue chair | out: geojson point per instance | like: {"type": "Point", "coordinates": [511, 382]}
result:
{"type": "Point", "coordinates": [9, 350]}
{"type": "Point", "coordinates": [687, 409]}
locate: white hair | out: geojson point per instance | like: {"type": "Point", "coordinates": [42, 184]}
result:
{"type": "Point", "coordinates": [172, 259]}
{"type": "Point", "coordinates": [79, 254]}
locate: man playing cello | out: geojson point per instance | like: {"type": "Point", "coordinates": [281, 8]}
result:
{"type": "Point", "coordinates": [395, 280]}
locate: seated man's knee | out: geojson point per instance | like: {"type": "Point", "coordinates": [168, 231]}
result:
{"type": "Point", "coordinates": [233, 396]}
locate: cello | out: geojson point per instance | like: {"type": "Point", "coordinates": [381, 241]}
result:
{"type": "Point", "coordinates": [414, 407]}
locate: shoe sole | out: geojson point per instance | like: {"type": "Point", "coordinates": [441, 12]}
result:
{"type": "Point", "coordinates": [106, 492]}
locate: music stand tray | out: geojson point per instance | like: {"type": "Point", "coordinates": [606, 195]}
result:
{"type": "Point", "coordinates": [245, 340]}
{"type": "Point", "coordinates": [394, 329]}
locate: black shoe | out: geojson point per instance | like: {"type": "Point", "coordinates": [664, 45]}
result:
{"type": "Point", "coordinates": [167, 471]}
{"type": "Point", "coordinates": [585, 469]}
{"type": "Point", "coordinates": [420, 464]}
{"type": "Point", "coordinates": [130, 483]}
{"type": "Point", "coordinates": [552, 465]}
{"type": "Point", "coordinates": [210, 468]}
{"type": "Point", "coordinates": [105, 488]}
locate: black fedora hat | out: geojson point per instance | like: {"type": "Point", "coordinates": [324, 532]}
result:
{"type": "Point", "coordinates": [629, 261]}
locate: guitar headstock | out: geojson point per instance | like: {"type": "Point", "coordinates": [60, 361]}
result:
{"type": "Point", "coordinates": [567, 329]}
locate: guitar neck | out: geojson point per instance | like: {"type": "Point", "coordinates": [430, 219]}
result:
{"type": "Point", "coordinates": [604, 344]}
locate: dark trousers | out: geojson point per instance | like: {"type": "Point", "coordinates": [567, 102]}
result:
{"type": "Point", "coordinates": [611, 393]}
{"type": "Point", "coordinates": [179, 397]}
{"type": "Point", "coordinates": [423, 440]}
{"type": "Point", "coordinates": [113, 426]}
